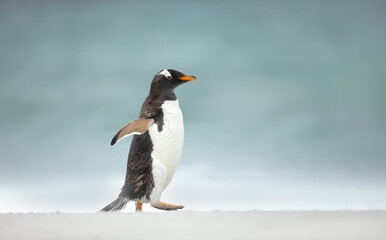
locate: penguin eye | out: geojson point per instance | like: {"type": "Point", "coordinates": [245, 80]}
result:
{"type": "Point", "coordinates": [166, 74]}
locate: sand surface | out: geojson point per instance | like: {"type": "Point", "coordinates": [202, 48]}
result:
{"type": "Point", "coordinates": [197, 225]}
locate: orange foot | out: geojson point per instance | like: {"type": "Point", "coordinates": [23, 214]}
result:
{"type": "Point", "coordinates": [138, 206]}
{"type": "Point", "coordinates": [167, 206]}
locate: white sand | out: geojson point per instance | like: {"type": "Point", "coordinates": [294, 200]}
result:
{"type": "Point", "coordinates": [197, 225]}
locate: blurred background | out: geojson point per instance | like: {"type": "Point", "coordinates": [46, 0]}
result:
{"type": "Point", "coordinates": [288, 110]}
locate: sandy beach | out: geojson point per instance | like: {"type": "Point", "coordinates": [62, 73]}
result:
{"type": "Point", "coordinates": [197, 225]}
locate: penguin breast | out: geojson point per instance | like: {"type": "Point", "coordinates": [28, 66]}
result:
{"type": "Point", "coordinates": [167, 143]}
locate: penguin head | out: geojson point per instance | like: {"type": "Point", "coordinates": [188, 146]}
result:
{"type": "Point", "coordinates": [168, 79]}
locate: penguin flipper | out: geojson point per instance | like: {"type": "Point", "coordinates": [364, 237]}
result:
{"type": "Point", "coordinates": [137, 126]}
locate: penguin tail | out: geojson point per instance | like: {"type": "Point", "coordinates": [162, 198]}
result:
{"type": "Point", "coordinates": [118, 204]}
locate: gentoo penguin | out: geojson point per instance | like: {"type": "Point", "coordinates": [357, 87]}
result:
{"type": "Point", "coordinates": [156, 147]}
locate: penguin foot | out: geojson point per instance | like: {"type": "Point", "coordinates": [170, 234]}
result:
{"type": "Point", "coordinates": [138, 206]}
{"type": "Point", "coordinates": [167, 206]}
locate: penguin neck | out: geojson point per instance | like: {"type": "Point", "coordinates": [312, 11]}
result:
{"type": "Point", "coordinates": [163, 94]}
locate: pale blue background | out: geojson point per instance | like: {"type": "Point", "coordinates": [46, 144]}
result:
{"type": "Point", "coordinates": [288, 110]}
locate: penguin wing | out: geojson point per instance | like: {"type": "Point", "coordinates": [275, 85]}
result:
{"type": "Point", "coordinates": [137, 126]}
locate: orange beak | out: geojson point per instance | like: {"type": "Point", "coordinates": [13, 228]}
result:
{"type": "Point", "coordinates": [187, 78]}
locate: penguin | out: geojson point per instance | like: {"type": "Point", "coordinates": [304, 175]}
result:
{"type": "Point", "coordinates": [156, 146]}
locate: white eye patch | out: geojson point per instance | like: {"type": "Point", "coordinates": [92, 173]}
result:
{"type": "Point", "coordinates": [166, 73]}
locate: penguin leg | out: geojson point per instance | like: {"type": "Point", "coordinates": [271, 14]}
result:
{"type": "Point", "coordinates": [167, 206]}
{"type": "Point", "coordinates": [138, 206]}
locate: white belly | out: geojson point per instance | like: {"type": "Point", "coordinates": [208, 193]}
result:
{"type": "Point", "coordinates": [167, 147]}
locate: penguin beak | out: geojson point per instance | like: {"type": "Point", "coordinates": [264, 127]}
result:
{"type": "Point", "coordinates": [187, 78]}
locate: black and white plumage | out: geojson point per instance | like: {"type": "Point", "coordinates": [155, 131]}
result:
{"type": "Point", "coordinates": [156, 148]}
